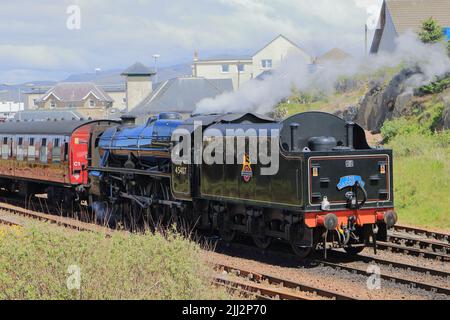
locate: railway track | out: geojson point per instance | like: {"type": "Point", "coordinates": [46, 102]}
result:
{"type": "Point", "coordinates": [393, 247]}
{"type": "Point", "coordinates": [408, 282]}
{"type": "Point", "coordinates": [285, 289]}
{"type": "Point", "coordinates": [425, 233]}
{"type": "Point", "coordinates": [423, 244]}
{"type": "Point", "coordinates": [58, 220]}
{"type": "Point", "coordinates": [256, 285]}
{"type": "Point", "coordinates": [260, 286]}
{"type": "Point", "coordinates": [341, 261]}
{"type": "Point", "coordinates": [389, 263]}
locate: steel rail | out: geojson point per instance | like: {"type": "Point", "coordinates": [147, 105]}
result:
{"type": "Point", "coordinates": [430, 234]}
{"type": "Point", "coordinates": [258, 277]}
{"type": "Point", "coordinates": [412, 251]}
{"type": "Point", "coordinates": [411, 283]}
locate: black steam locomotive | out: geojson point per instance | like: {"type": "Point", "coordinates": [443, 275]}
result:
{"type": "Point", "coordinates": [320, 184]}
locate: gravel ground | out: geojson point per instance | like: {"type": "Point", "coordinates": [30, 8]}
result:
{"type": "Point", "coordinates": [324, 277]}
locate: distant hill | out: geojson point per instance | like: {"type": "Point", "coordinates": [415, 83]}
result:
{"type": "Point", "coordinates": [107, 77]}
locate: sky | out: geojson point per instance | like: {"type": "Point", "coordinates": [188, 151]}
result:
{"type": "Point", "coordinates": [51, 39]}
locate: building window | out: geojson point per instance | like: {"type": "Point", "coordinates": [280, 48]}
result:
{"type": "Point", "coordinates": [53, 105]}
{"type": "Point", "coordinates": [241, 68]}
{"type": "Point", "coordinates": [91, 103]}
{"type": "Point", "coordinates": [34, 102]}
{"type": "Point", "coordinates": [266, 64]}
{"type": "Point", "coordinates": [225, 68]}
{"type": "Point", "coordinates": [124, 100]}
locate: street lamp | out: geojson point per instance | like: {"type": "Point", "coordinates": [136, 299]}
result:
{"type": "Point", "coordinates": [156, 57]}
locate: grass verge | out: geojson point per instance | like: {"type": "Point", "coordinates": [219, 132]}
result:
{"type": "Point", "coordinates": [38, 262]}
{"type": "Point", "coordinates": [422, 179]}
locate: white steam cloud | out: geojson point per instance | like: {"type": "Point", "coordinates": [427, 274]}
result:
{"type": "Point", "coordinates": [261, 96]}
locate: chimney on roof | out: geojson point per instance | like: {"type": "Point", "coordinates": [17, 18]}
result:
{"type": "Point", "coordinates": [195, 56]}
{"type": "Point", "coordinates": [139, 84]}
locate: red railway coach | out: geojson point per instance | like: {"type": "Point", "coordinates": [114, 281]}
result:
{"type": "Point", "coordinates": [47, 156]}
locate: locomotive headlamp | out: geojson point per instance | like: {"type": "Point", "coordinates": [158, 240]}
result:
{"type": "Point", "coordinates": [383, 169]}
{"type": "Point", "coordinates": [330, 222]}
{"type": "Point", "coordinates": [390, 218]}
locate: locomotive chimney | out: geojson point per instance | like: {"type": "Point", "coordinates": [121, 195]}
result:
{"type": "Point", "coordinates": [294, 127]}
{"type": "Point", "coordinates": [128, 120]}
{"type": "Point", "coordinates": [350, 126]}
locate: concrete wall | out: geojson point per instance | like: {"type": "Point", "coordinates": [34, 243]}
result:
{"type": "Point", "coordinates": [213, 70]}
{"type": "Point", "coordinates": [138, 88]}
{"type": "Point", "coordinates": [276, 51]}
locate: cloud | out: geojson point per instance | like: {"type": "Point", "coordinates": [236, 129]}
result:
{"type": "Point", "coordinates": [39, 57]}
{"type": "Point", "coordinates": [116, 33]}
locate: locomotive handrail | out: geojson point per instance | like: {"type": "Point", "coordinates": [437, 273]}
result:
{"type": "Point", "coordinates": [131, 171]}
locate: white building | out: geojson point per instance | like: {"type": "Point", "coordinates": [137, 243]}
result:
{"type": "Point", "coordinates": [9, 108]}
{"type": "Point", "coordinates": [400, 16]}
{"type": "Point", "coordinates": [242, 69]}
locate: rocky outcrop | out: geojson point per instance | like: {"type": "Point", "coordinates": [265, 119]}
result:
{"type": "Point", "coordinates": [383, 102]}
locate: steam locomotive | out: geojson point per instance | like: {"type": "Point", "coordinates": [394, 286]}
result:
{"type": "Point", "coordinates": [323, 187]}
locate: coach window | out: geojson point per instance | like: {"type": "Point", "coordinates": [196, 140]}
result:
{"type": "Point", "coordinates": [66, 151]}
{"type": "Point", "coordinates": [56, 151]}
{"type": "Point", "coordinates": [20, 149]}
{"type": "Point", "coordinates": [31, 150]}
{"type": "Point", "coordinates": [43, 151]}
{"type": "Point", "coordinates": [5, 148]}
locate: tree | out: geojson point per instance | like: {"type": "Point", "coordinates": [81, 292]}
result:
{"type": "Point", "coordinates": [431, 31]}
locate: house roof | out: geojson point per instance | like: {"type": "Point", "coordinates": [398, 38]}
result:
{"type": "Point", "coordinates": [181, 95]}
{"type": "Point", "coordinates": [43, 115]}
{"type": "Point", "coordinates": [334, 54]}
{"type": "Point", "coordinates": [409, 14]}
{"type": "Point", "coordinates": [75, 92]}
{"type": "Point", "coordinates": [247, 57]}
{"type": "Point", "coordinates": [138, 69]}
{"type": "Point", "coordinates": [278, 37]}
{"type": "Point", "coordinates": [48, 127]}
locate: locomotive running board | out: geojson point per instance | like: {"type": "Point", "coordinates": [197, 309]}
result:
{"type": "Point", "coordinates": [155, 174]}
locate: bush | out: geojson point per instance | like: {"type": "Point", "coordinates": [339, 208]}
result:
{"type": "Point", "coordinates": [437, 86]}
{"type": "Point", "coordinates": [34, 264]}
{"type": "Point", "coordinates": [401, 126]}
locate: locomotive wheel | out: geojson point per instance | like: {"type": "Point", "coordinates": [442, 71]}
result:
{"type": "Point", "coordinates": [262, 242]}
{"type": "Point", "coordinates": [354, 250]}
{"type": "Point", "coordinates": [301, 252]}
{"type": "Point", "coordinates": [227, 236]}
